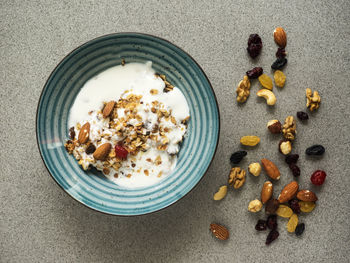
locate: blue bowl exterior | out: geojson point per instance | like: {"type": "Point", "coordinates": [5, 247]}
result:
{"type": "Point", "coordinates": [91, 188]}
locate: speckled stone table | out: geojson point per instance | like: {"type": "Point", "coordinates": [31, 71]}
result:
{"type": "Point", "coordinates": [40, 223]}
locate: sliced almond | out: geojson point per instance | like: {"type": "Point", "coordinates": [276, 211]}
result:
{"type": "Point", "coordinates": [107, 110]}
{"type": "Point", "coordinates": [102, 151]}
{"type": "Point", "coordinates": [83, 136]}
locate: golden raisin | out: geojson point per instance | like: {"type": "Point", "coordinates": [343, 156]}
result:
{"type": "Point", "coordinates": [292, 223]}
{"type": "Point", "coordinates": [306, 207]}
{"type": "Point", "coordinates": [250, 140]}
{"type": "Point", "coordinates": [266, 81]}
{"type": "Point", "coordinates": [280, 78]}
{"type": "Point", "coordinates": [284, 211]}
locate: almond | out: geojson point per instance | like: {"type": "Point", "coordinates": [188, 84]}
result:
{"type": "Point", "coordinates": [271, 169]}
{"type": "Point", "coordinates": [102, 151]}
{"type": "Point", "coordinates": [280, 37]}
{"type": "Point", "coordinates": [266, 192]}
{"type": "Point", "coordinates": [219, 231]}
{"type": "Point", "coordinates": [83, 136]}
{"type": "Point", "coordinates": [107, 110]}
{"type": "Point", "coordinates": [288, 192]}
{"type": "Point", "coordinates": [307, 196]}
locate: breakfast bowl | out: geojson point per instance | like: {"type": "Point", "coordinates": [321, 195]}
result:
{"type": "Point", "coordinates": [91, 187]}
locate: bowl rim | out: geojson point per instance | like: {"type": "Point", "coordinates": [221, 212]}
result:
{"type": "Point", "coordinates": [87, 43]}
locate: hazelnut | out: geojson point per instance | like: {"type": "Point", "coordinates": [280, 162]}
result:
{"type": "Point", "coordinates": [274, 126]}
{"type": "Point", "coordinates": [285, 147]}
{"type": "Point", "coordinates": [255, 206]}
{"type": "Point", "coordinates": [255, 169]}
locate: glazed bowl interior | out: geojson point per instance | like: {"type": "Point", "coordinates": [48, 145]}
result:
{"type": "Point", "coordinates": [92, 188]}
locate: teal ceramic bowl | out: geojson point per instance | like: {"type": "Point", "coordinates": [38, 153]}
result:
{"type": "Point", "coordinates": [91, 188]}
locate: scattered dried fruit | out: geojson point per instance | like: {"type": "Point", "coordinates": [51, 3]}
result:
{"type": "Point", "coordinates": [272, 222]}
{"type": "Point", "coordinates": [284, 211]}
{"type": "Point", "coordinates": [121, 152]}
{"type": "Point", "coordinates": [288, 192]}
{"type": "Point", "coordinates": [306, 207]}
{"type": "Point", "coordinates": [271, 206]}
{"type": "Point", "coordinates": [255, 206]}
{"type": "Point", "coordinates": [254, 73]}
{"type": "Point", "coordinates": [102, 151]}
{"type": "Point", "coordinates": [107, 110]}
{"type": "Point", "coordinates": [221, 193]}
{"type": "Point", "coordinates": [255, 169]}
{"type": "Point", "coordinates": [280, 78]}
{"type": "Point", "coordinates": [219, 231]}
{"type": "Point", "coordinates": [243, 89]}
{"type": "Point", "coordinates": [237, 177]}
{"type": "Point", "coordinates": [280, 37]}
{"type": "Point", "coordinates": [300, 229]}
{"type": "Point", "coordinates": [273, 235]}
{"type": "Point", "coordinates": [274, 126]}
{"type": "Point", "coordinates": [281, 53]}
{"type": "Point", "coordinates": [72, 133]}
{"type": "Point", "coordinates": [271, 169]}
{"type": "Point", "coordinates": [313, 100]}
{"type": "Point", "coordinates": [83, 136]}
{"type": "Point", "coordinates": [236, 157]}
{"type": "Point", "coordinates": [289, 128]}
{"type": "Point", "coordinates": [292, 158]}
{"type": "Point", "coordinates": [307, 195]}
{"type": "Point", "coordinates": [279, 63]}
{"type": "Point", "coordinates": [266, 192]}
{"type": "Point", "coordinates": [294, 205]}
{"type": "Point", "coordinates": [268, 95]}
{"type": "Point", "coordinates": [295, 169]}
{"type": "Point", "coordinates": [285, 147]}
{"type": "Point", "coordinates": [318, 177]}
{"type": "Point", "coordinates": [90, 149]}
{"type": "Point", "coordinates": [266, 81]}
{"type": "Point", "coordinates": [250, 140]}
{"type": "Point", "coordinates": [261, 225]}
{"type": "Point", "coordinates": [303, 116]}
{"type": "Point", "coordinates": [292, 223]}
{"type": "Point", "coordinates": [315, 150]}
{"type": "Point", "coordinates": [254, 45]}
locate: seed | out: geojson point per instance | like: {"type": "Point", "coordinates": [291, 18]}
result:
{"type": "Point", "coordinates": [294, 205]}
{"type": "Point", "coordinates": [284, 211]}
{"type": "Point", "coordinates": [273, 235]}
{"type": "Point", "coordinates": [292, 223]}
{"type": "Point", "coordinates": [254, 73]}
{"type": "Point", "coordinates": [300, 229]}
{"type": "Point", "coordinates": [306, 207]}
{"type": "Point", "coordinates": [292, 158]}
{"type": "Point", "coordinates": [272, 222]}
{"type": "Point", "coordinates": [295, 169]}
{"type": "Point", "coordinates": [279, 63]}
{"type": "Point", "coordinates": [261, 225]}
{"type": "Point", "coordinates": [236, 157]}
{"type": "Point", "coordinates": [315, 150]}
{"type": "Point", "coordinates": [303, 116]}
{"type": "Point", "coordinates": [271, 206]}
{"type": "Point", "coordinates": [318, 177]}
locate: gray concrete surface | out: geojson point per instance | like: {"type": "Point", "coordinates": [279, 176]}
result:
{"type": "Point", "coordinates": [40, 223]}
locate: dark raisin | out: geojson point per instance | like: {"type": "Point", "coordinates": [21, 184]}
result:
{"type": "Point", "coordinates": [300, 229]}
{"type": "Point", "coordinates": [292, 158]}
{"type": "Point", "coordinates": [294, 205]}
{"type": "Point", "coordinates": [72, 133]}
{"type": "Point", "coordinates": [273, 235]}
{"type": "Point", "coordinates": [281, 53]}
{"type": "Point", "coordinates": [254, 45]}
{"type": "Point", "coordinates": [254, 73]}
{"type": "Point", "coordinates": [303, 116]}
{"type": "Point", "coordinates": [279, 63]}
{"type": "Point", "coordinates": [295, 169]}
{"type": "Point", "coordinates": [261, 225]}
{"type": "Point", "coordinates": [90, 149]}
{"type": "Point", "coordinates": [315, 150]}
{"type": "Point", "coordinates": [272, 222]}
{"type": "Point", "coordinates": [237, 156]}
{"type": "Point", "coordinates": [271, 206]}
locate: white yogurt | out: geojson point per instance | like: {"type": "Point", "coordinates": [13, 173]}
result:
{"type": "Point", "coordinates": [118, 82]}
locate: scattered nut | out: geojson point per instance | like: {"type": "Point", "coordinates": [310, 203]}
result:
{"type": "Point", "coordinates": [285, 147]}
{"type": "Point", "coordinates": [243, 89]}
{"type": "Point", "coordinates": [268, 95]}
{"type": "Point", "coordinates": [255, 169]}
{"type": "Point", "coordinates": [288, 192]}
{"type": "Point", "coordinates": [271, 169]}
{"type": "Point", "coordinates": [250, 140]}
{"type": "Point", "coordinates": [307, 196]}
{"type": "Point", "coordinates": [313, 101]}
{"type": "Point", "coordinates": [289, 128]}
{"type": "Point", "coordinates": [255, 206]}
{"type": "Point", "coordinates": [107, 110]}
{"type": "Point", "coordinates": [83, 136]}
{"type": "Point", "coordinates": [280, 37]}
{"type": "Point", "coordinates": [219, 231]}
{"type": "Point", "coordinates": [237, 177]}
{"type": "Point", "coordinates": [274, 126]}
{"type": "Point", "coordinates": [221, 193]}
{"type": "Point", "coordinates": [266, 192]}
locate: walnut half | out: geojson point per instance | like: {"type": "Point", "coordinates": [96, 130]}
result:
{"type": "Point", "coordinates": [289, 128]}
{"type": "Point", "coordinates": [237, 177]}
{"type": "Point", "coordinates": [313, 100]}
{"type": "Point", "coordinates": [243, 89]}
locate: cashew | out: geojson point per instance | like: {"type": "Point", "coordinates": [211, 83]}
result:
{"type": "Point", "coordinates": [221, 193]}
{"type": "Point", "coordinates": [268, 95]}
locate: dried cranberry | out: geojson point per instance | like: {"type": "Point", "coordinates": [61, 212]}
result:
{"type": "Point", "coordinates": [254, 73]}
{"type": "Point", "coordinates": [236, 157]}
{"type": "Point", "coordinates": [261, 225]}
{"type": "Point", "coordinates": [120, 151]}
{"type": "Point", "coordinates": [300, 229]}
{"type": "Point", "coordinates": [271, 206]}
{"type": "Point", "coordinates": [318, 177]}
{"type": "Point", "coordinates": [254, 45]}
{"type": "Point", "coordinates": [295, 169]}
{"type": "Point", "coordinates": [315, 150]}
{"type": "Point", "coordinates": [90, 149]}
{"type": "Point", "coordinates": [303, 116]}
{"type": "Point", "coordinates": [279, 63]}
{"type": "Point", "coordinates": [273, 235]}
{"type": "Point", "coordinates": [281, 52]}
{"type": "Point", "coordinates": [72, 133]}
{"type": "Point", "coordinates": [272, 222]}
{"type": "Point", "coordinates": [294, 205]}
{"type": "Point", "coordinates": [292, 158]}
